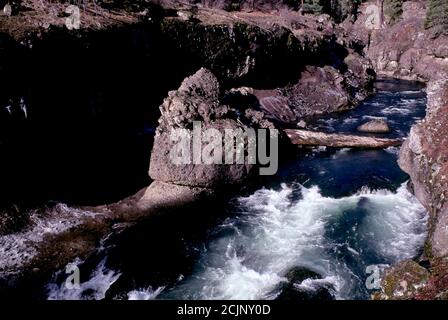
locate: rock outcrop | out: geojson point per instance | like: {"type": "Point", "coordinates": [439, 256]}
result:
{"type": "Point", "coordinates": [319, 91]}
{"type": "Point", "coordinates": [424, 156]}
{"type": "Point", "coordinates": [407, 50]}
{"type": "Point", "coordinates": [294, 67]}
{"type": "Point", "coordinates": [197, 99]}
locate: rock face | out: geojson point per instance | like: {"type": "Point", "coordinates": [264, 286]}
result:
{"type": "Point", "coordinates": [319, 90]}
{"type": "Point", "coordinates": [294, 67]}
{"type": "Point", "coordinates": [195, 100]}
{"type": "Point", "coordinates": [424, 157]}
{"type": "Point", "coordinates": [406, 50]}
{"type": "Point", "coordinates": [375, 126]}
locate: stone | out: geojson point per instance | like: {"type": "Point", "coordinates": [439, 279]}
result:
{"type": "Point", "coordinates": [402, 281]}
{"type": "Point", "coordinates": [409, 280]}
{"type": "Point", "coordinates": [197, 99]}
{"type": "Point", "coordinates": [290, 290]}
{"type": "Point", "coordinates": [301, 124]}
{"type": "Point", "coordinates": [375, 126]}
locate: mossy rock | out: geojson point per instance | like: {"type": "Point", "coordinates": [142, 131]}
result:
{"type": "Point", "coordinates": [402, 281]}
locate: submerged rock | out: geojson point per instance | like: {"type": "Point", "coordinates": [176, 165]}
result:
{"type": "Point", "coordinates": [375, 126]}
{"type": "Point", "coordinates": [296, 289]}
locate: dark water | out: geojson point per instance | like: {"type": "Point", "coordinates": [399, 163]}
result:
{"type": "Point", "coordinates": [329, 211]}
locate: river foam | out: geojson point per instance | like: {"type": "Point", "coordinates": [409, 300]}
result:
{"type": "Point", "coordinates": [94, 288]}
{"type": "Point", "coordinates": [18, 249]}
{"type": "Point", "coordinates": [279, 230]}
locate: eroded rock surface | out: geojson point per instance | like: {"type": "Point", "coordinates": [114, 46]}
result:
{"type": "Point", "coordinates": [195, 100]}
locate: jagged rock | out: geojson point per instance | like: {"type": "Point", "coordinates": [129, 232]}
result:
{"type": "Point", "coordinates": [375, 126]}
{"type": "Point", "coordinates": [195, 100]}
{"type": "Point", "coordinates": [406, 49]}
{"type": "Point", "coordinates": [258, 118]}
{"type": "Point", "coordinates": [424, 157]}
{"type": "Point", "coordinates": [320, 90]}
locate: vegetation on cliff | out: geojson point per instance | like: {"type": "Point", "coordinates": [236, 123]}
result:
{"type": "Point", "coordinates": [437, 16]}
{"type": "Point", "coordinates": [394, 10]}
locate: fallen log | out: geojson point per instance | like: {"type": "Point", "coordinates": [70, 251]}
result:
{"type": "Point", "coordinates": [337, 140]}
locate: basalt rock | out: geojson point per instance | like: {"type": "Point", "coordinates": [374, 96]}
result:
{"type": "Point", "coordinates": [425, 158]}
{"type": "Point", "coordinates": [405, 49]}
{"type": "Point", "coordinates": [195, 100]}
{"type": "Point", "coordinates": [403, 281]}
{"type": "Point", "coordinates": [319, 91]}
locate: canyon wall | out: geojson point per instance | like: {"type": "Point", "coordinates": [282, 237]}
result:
{"type": "Point", "coordinates": [96, 91]}
{"type": "Point", "coordinates": [407, 50]}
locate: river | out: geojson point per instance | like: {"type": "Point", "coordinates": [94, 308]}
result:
{"type": "Point", "coordinates": [314, 231]}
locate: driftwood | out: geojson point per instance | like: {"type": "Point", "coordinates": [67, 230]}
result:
{"type": "Point", "coordinates": [312, 138]}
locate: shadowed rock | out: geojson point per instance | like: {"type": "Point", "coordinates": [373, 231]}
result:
{"type": "Point", "coordinates": [195, 100]}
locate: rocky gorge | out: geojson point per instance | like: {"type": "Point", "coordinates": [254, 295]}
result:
{"type": "Point", "coordinates": [254, 65]}
{"type": "Point", "coordinates": [234, 69]}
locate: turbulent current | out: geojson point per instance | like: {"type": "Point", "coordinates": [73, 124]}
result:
{"type": "Point", "coordinates": [336, 238]}
{"type": "Point", "coordinates": [315, 231]}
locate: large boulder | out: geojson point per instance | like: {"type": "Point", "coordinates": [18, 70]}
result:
{"type": "Point", "coordinates": [375, 126]}
{"type": "Point", "coordinates": [197, 99]}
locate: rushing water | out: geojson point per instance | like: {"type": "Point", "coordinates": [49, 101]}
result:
{"type": "Point", "coordinates": [328, 215]}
